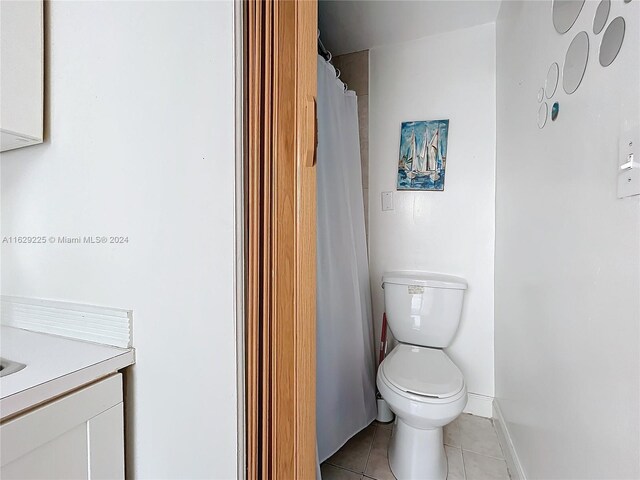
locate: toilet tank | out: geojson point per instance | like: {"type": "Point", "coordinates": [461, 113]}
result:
{"type": "Point", "coordinates": [423, 308]}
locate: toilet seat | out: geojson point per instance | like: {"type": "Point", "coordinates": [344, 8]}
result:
{"type": "Point", "coordinates": [422, 371]}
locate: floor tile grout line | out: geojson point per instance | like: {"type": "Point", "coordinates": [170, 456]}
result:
{"type": "Point", "coordinates": [373, 439]}
{"type": "Point", "coordinates": [493, 423]}
{"type": "Point", "coordinates": [344, 468]}
{"type": "Point", "coordinates": [493, 428]}
{"type": "Point", "coordinates": [464, 467]}
{"type": "Point", "coordinates": [486, 456]}
{"type": "Point", "coordinates": [382, 430]}
{"type": "Point", "coordinates": [499, 443]}
{"type": "Point", "coordinates": [481, 454]}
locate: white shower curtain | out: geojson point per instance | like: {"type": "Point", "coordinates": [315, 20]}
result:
{"type": "Point", "coordinates": [345, 357]}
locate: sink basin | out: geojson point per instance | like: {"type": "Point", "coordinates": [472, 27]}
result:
{"type": "Point", "coordinates": [7, 367]}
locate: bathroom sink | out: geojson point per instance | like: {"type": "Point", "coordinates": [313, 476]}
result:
{"type": "Point", "coordinates": [7, 367]}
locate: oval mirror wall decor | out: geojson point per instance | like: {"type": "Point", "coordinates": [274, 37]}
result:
{"type": "Point", "coordinates": [575, 62]}
{"type": "Point", "coordinates": [540, 95]}
{"type": "Point", "coordinates": [602, 14]}
{"type": "Point", "coordinates": [612, 41]}
{"type": "Point", "coordinates": [552, 80]}
{"type": "Point", "coordinates": [565, 13]}
{"type": "Point", "coordinates": [555, 109]}
{"type": "Point", "coordinates": [543, 112]}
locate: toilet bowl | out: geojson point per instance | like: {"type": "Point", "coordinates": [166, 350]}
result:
{"type": "Point", "coordinates": [420, 383]}
{"type": "Point", "coordinates": [416, 449]}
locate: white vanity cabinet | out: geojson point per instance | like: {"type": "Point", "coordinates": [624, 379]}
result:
{"type": "Point", "coordinates": [21, 73]}
{"type": "Point", "coordinates": [77, 436]}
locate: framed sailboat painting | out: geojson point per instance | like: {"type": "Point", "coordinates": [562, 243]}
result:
{"type": "Point", "coordinates": [423, 155]}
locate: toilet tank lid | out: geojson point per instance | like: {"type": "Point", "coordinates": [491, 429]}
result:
{"type": "Point", "coordinates": [424, 279]}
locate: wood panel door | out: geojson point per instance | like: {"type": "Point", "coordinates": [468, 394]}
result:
{"type": "Point", "coordinates": [281, 218]}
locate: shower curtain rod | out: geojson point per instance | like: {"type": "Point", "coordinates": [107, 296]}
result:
{"type": "Point", "coordinates": [327, 55]}
{"type": "Point", "coordinates": [322, 50]}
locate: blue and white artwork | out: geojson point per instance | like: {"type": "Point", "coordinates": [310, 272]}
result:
{"type": "Point", "coordinates": [423, 155]}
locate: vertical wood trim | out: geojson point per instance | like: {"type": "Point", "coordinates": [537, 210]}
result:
{"type": "Point", "coordinates": [284, 236]}
{"type": "Point", "coordinates": [281, 223]}
{"type": "Point", "coordinates": [266, 239]}
{"type": "Point", "coordinates": [305, 353]}
{"type": "Point", "coordinates": [253, 350]}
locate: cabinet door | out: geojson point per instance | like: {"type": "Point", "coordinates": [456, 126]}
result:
{"type": "Point", "coordinates": [79, 436]}
{"type": "Point", "coordinates": [62, 457]}
{"type": "Point", "coordinates": [106, 445]}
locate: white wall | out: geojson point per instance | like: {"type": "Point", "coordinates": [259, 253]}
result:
{"type": "Point", "coordinates": [567, 254]}
{"type": "Point", "coordinates": [446, 76]}
{"type": "Point", "coordinates": [141, 143]}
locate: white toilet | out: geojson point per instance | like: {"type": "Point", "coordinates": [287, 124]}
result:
{"type": "Point", "coordinates": [421, 384]}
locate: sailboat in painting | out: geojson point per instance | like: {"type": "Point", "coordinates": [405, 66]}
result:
{"type": "Point", "coordinates": [412, 157]}
{"type": "Point", "coordinates": [432, 151]}
{"type": "Point", "coordinates": [422, 168]}
{"type": "Point", "coordinates": [423, 163]}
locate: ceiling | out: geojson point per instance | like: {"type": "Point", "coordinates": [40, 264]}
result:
{"type": "Point", "coordinates": [352, 25]}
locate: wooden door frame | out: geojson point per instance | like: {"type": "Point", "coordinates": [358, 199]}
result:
{"type": "Point", "coordinates": [281, 234]}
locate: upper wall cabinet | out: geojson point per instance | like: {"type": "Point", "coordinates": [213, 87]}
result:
{"type": "Point", "coordinates": [21, 73]}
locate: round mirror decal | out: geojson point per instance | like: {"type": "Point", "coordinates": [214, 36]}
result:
{"type": "Point", "coordinates": [543, 112]}
{"type": "Point", "coordinates": [612, 41]}
{"type": "Point", "coordinates": [540, 94]}
{"type": "Point", "coordinates": [575, 62]}
{"type": "Point", "coordinates": [565, 13]}
{"type": "Point", "coordinates": [552, 80]}
{"type": "Point", "coordinates": [602, 14]}
{"type": "Point", "coordinates": [554, 111]}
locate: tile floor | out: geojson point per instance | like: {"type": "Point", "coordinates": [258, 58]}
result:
{"type": "Point", "coordinates": [471, 444]}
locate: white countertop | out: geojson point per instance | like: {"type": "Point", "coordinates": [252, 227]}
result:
{"type": "Point", "coordinates": [54, 365]}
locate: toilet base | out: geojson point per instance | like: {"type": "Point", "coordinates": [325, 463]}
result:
{"type": "Point", "coordinates": [417, 454]}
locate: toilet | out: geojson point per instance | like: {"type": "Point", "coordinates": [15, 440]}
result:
{"type": "Point", "coordinates": [417, 379]}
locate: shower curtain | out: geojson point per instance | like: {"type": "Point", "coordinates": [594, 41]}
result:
{"type": "Point", "coordinates": [345, 396]}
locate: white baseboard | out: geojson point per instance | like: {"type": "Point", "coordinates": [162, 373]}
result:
{"type": "Point", "coordinates": [511, 456]}
{"type": "Point", "coordinates": [480, 405]}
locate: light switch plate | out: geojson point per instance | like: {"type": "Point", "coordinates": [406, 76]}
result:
{"type": "Point", "coordinates": [629, 163]}
{"type": "Point", "coordinates": [387, 201]}
{"type": "Point", "coordinates": [629, 148]}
